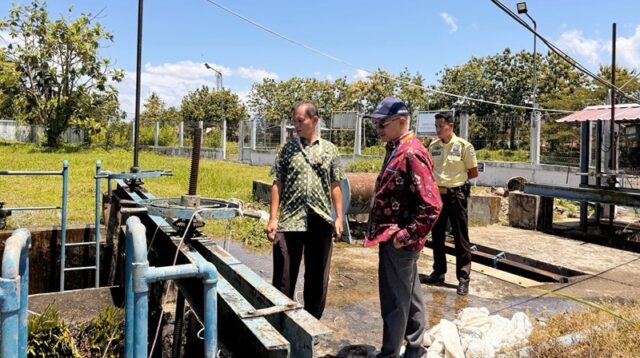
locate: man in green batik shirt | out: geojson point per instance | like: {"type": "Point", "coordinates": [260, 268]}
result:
{"type": "Point", "coordinates": [307, 177]}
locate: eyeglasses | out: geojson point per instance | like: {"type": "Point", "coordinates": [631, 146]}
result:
{"type": "Point", "coordinates": [382, 124]}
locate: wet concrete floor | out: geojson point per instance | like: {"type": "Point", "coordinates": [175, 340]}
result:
{"type": "Point", "coordinates": [352, 310]}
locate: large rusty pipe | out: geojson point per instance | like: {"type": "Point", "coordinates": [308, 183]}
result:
{"type": "Point", "coordinates": [362, 190]}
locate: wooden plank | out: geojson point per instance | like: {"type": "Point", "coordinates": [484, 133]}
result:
{"type": "Point", "coordinates": [490, 271]}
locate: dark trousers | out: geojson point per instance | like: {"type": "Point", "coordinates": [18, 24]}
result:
{"type": "Point", "coordinates": [316, 243]}
{"type": "Point", "coordinates": [454, 209]}
{"type": "Point", "coordinates": [401, 302]}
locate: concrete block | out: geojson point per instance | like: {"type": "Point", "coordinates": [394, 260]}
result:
{"type": "Point", "coordinates": [262, 191]}
{"type": "Point", "coordinates": [523, 210]}
{"type": "Point", "coordinates": [483, 210]}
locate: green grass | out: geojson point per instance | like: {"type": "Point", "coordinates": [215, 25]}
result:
{"type": "Point", "coordinates": [217, 179]}
{"type": "Point", "coordinates": [505, 155]}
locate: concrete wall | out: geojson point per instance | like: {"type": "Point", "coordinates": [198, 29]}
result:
{"type": "Point", "coordinates": [494, 174]}
{"type": "Point", "coordinates": [44, 257]}
{"type": "Point", "coordinates": [483, 210]}
{"type": "Point", "coordinates": [497, 174]}
{"type": "Point", "coordinates": [11, 131]}
{"type": "Point", "coordinates": [209, 153]}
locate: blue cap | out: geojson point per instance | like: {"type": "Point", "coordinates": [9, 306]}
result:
{"type": "Point", "coordinates": [389, 106]}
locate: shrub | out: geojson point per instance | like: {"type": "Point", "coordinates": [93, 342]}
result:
{"type": "Point", "coordinates": [104, 335]}
{"type": "Point", "coordinates": [50, 337]}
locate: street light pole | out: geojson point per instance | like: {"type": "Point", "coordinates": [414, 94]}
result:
{"type": "Point", "coordinates": [218, 76]}
{"type": "Point", "coordinates": [223, 122]}
{"type": "Point", "coordinates": [535, 115]}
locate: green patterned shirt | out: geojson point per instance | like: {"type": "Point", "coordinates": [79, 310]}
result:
{"type": "Point", "coordinates": [306, 175]}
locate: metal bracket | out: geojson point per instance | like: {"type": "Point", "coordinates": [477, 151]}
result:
{"type": "Point", "coordinates": [499, 256]}
{"type": "Point", "coordinates": [270, 310]}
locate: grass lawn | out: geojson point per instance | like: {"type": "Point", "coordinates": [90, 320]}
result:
{"type": "Point", "coordinates": [217, 179]}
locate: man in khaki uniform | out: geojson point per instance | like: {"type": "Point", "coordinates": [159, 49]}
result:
{"type": "Point", "coordinates": [454, 162]}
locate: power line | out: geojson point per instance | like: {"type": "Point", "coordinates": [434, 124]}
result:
{"type": "Point", "coordinates": [370, 72]}
{"type": "Point", "coordinates": [562, 54]}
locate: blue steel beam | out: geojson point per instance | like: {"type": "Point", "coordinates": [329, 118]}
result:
{"type": "Point", "coordinates": [605, 196]}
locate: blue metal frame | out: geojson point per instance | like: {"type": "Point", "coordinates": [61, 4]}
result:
{"type": "Point", "coordinates": [63, 220]}
{"type": "Point", "coordinates": [14, 294]}
{"type": "Point", "coordinates": [97, 221]}
{"type": "Point", "coordinates": [138, 275]}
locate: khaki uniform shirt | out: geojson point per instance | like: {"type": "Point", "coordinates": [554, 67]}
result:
{"type": "Point", "coordinates": [452, 160]}
{"type": "Point", "coordinates": [306, 174]}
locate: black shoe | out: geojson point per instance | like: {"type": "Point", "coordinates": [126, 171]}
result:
{"type": "Point", "coordinates": [432, 279]}
{"type": "Point", "coordinates": [463, 288]}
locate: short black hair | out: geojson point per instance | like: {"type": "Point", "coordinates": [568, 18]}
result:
{"type": "Point", "coordinates": [447, 116]}
{"type": "Point", "coordinates": [310, 108]}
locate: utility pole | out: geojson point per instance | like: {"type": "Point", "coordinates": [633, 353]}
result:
{"type": "Point", "coordinates": [535, 114]}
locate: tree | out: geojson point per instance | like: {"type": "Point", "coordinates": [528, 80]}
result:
{"type": "Point", "coordinates": [212, 107]}
{"type": "Point", "coordinates": [62, 79]}
{"type": "Point", "coordinates": [508, 78]}
{"type": "Point", "coordinates": [155, 110]}
{"type": "Point", "coordinates": [8, 81]}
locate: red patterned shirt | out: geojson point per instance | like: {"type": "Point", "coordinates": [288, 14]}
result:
{"type": "Point", "coordinates": [407, 202]}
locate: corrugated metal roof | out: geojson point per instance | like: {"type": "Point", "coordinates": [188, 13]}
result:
{"type": "Point", "coordinates": [624, 112]}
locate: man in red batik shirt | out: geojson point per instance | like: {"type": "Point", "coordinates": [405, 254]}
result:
{"type": "Point", "coordinates": [405, 208]}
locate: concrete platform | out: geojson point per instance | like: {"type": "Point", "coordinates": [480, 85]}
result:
{"type": "Point", "coordinates": [352, 310]}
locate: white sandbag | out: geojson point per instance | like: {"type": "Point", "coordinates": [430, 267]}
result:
{"type": "Point", "coordinates": [473, 321]}
{"type": "Point", "coordinates": [431, 336]}
{"type": "Point", "coordinates": [451, 339]}
{"type": "Point", "coordinates": [436, 350]}
{"type": "Point", "coordinates": [477, 348]}
{"type": "Point", "coordinates": [476, 334]}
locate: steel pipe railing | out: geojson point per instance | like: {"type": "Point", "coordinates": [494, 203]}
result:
{"type": "Point", "coordinates": [14, 294]}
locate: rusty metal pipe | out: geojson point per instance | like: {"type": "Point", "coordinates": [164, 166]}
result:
{"type": "Point", "coordinates": [362, 190]}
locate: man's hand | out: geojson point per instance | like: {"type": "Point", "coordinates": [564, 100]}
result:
{"type": "Point", "coordinates": [338, 229]}
{"type": "Point", "coordinates": [271, 228]}
{"type": "Point", "coordinates": [397, 244]}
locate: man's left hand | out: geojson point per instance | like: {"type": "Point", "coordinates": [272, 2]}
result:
{"type": "Point", "coordinates": [397, 244]}
{"type": "Point", "coordinates": [338, 229]}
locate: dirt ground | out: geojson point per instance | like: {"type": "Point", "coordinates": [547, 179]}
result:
{"type": "Point", "coordinates": [352, 311]}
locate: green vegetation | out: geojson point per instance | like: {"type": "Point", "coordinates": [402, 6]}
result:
{"type": "Point", "coordinates": [49, 336]}
{"type": "Point", "coordinates": [104, 335]}
{"type": "Point", "coordinates": [603, 335]}
{"type": "Point", "coordinates": [506, 155]}
{"type": "Point", "coordinates": [216, 180]}
{"type": "Point", "coordinates": [372, 165]}
{"type": "Point", "coordinates": [55, 75]}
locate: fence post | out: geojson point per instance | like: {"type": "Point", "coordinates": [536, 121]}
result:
{"type": "Point", "coordinates": [223, 139]}
{"type": "Point", "coordinates": [241, 140]}
{"type": "Point", "coordinates": [253, 134]}
{"type": "Point", "coordinates": [357, 141]}
{"type": "Point", "coordinates": [157, 133]}
{"type": "Point", "coordinates": [283, 130]}
{"type": "Point", "coordinates": [534, 151]}
{"type": "Point", "coordinates": [464, 125]}
{"type": "Point", "coordinates": [181, 135]}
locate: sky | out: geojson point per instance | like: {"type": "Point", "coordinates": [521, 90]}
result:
{"type": "Point", "coordinates": [356, 35]}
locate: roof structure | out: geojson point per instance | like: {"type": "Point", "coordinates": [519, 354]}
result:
{"type": "Point", "coordinates": [624, 112]}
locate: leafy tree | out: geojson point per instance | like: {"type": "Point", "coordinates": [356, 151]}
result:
{"type": "Point", "coordinates": [8, 81]}
{"type": "Point", "coordinates": [62, 79]}
{"type": "Point", "coordinates": [212, 107]}
{"type": "Point", "coordinates": [155, 110]}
